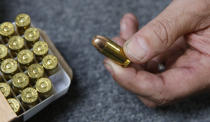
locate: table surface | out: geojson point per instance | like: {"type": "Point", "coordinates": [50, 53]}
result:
{"type": "Point", "coordinates": [94, 96]}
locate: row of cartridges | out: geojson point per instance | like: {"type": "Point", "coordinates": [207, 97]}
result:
{"type": "Point", "coordinates": [25, 64]}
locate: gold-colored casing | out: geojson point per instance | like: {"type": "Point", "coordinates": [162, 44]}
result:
{"type": "Point", "coordinates": [3, 51]}
{"type": "Point", "coordinates": [23, 22]}
{"type": "Point", "coordinates": [7, 29]}
{"type": "Point", "coordinates": [14, 104]}
{"type": "Point", "coordinates": [25, 57]}
{"type": "Point", "coordinates": [111, 50]}
{"type": "Point", "coordinates": [29, 95]}
{"type": "Point", "coordinates": [16, 43]}
{"type": "Point", "coordinates": [20, 81]}
{"type": "Point", "coordinates": [35, 71]}
{"type": "Point", "coordinates": [50, 62]}
{"type": "Point", "coordinates": [32, 35]}
{"type": "Point", "coordinates": [9, 66]}
{"type": "Point", "coordinates": [5, 89]}
{"type": "Point", "coordinates": [40, 48]}
{"type": "Point", "coordinates": [44, 86]}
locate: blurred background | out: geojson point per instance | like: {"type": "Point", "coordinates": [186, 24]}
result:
{"type": "Point", "coordinates": [94, 96]}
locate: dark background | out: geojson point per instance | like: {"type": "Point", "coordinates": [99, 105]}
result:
{"type": "Point", "coordinates": [93, 95]}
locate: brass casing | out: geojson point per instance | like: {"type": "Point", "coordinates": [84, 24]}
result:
{"type": "Point", "coordinates": [7, 29]}
{"type": "Point", "coordinates": [20, 81]}
{"type": "Point", "coordinates": [14, 104]}
{"type": "Point", "coordinates": [40, 49]}
{"type": "Point", "coordinates": [23, 22]}
{"type": "Point", "coordinates": [15, 44]}
{"type": "Point", "coordinates": [50, 64]}
{"type": "Point", "coordinates": [31, 35]}
{"type": "Point", "coordinates": [111, 50]}
{"type": "Point", "coordinates": [44, 87]}
{"type": "Point", "coordinates": [29, 97]}
{"type": "Point", "coordinates": [5, 89]}
{"type": "Point", "coordinates": [9, 66]}
{"type": "Point", "coordinates": [3, 52]}
{"type": "Point", "coordinates": [25, 57]}
{"type": "Point", "coordinates": [35, 71]}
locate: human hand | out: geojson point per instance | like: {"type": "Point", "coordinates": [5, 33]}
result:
{"type": "Point", "coordinates": [179, 38]}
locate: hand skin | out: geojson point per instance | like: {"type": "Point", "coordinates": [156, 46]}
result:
{"type": "Point", "coordinates": [179, 38]}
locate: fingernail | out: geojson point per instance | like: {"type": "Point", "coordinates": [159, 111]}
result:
{"type": "Point", "coordinates": [108, 66]}
{"type": "Point", "coordinates": [123, 27]}
{"type": "Point", "coordinates": [136, 48]}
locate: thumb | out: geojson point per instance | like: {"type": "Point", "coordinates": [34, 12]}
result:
{"type": "Point", "coordinates": [159, 34]}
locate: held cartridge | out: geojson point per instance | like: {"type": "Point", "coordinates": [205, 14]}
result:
{"type": "Point", "coordinates": [5, 89]}
{"type": "Point", "coordinates": [7, 29]}
{"type": "Point", "coordinates": [14, 104]}
{"type": "Point", "coordinates": [44, 87]}
{"type": "Point", "coordinates": [50, 64]}
{"type": "Point", "coordinates": [111, 50]}
{"type": "Point", "coordinates": [20, 81]}
{"type": "Point", "coordinates": [31, 35]}
{"type": "Point", "coordinates": [23, 22]}
{"type": "Point", "coordinates": [29, 97]}
{"type": "Point", "coordinates": [15, 44]}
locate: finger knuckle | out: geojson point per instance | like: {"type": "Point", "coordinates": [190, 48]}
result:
{"type": "Point", "coordinates": [161, 29]}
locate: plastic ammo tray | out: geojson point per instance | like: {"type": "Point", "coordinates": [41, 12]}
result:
{"type": "Point", "coordinates": [61, 81]}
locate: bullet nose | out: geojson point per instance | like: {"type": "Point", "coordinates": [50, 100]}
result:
{"type": "Point", "coordinates": [99, 42]}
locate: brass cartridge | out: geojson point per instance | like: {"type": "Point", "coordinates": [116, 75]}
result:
{"type": "Point", "coordinates": [20, 81]}
{"type": "Point", "coordinates": [111, 50]}
{"type": "Point", "coordinates": [14, 104]}
{"type": "Point", "coordinates": [29, 97]}
{"type": "Point", "coordinates": [31, 35]}
{"type": "Point", "coordinates": [35, 71]}
{"type": "Point", "coordinates": [15, 44]}
{"type": "Point", "coordinates": [50, 64]}
{"type": "Point", "coordinates": [5, 89]}
{"type": "Point", "coordinates": [7, 29]}
{"type": "Point", "coordinates": [44, 87]}
{"type": "Point", "coordinates": [23, 22]}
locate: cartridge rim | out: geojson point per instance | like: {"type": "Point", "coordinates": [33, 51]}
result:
{"type": "Point", "coordinates": [40, 48]}
{"type": "Point", "coordinates": [16, 43]}
{"type": "Point", "coordinates": [29, 95]}
{"type": "Point", "coordinates": [25, 56]}
{"type": "Point", "coordinates": [50, 62]}
{"type": "Point", "coordinates": [20, 80]}
{"type": "Point", "coordinates": [32, 34]}
{"type": "Point", "coordinates": [43, 85]}
{"type": "Point", "coordinates": [3, 51]}
{"type": "Point", "coordinates": [22, 20]}
{"type": "Point", "coordinates": [14, 104]}
{"type": "Point", "coordinates": [7, 29]}
{"type": "Point", "coordinates": [35, 71]}
{"type": "Point", "coordinates": [9, 66]}
{"type": "Point", "coordinates": [5, 89]}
